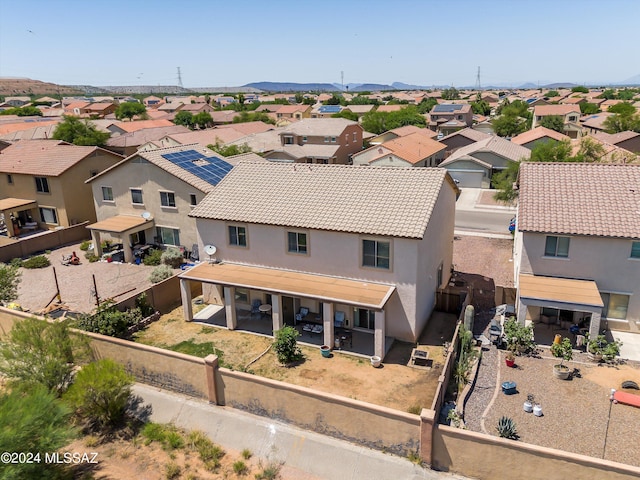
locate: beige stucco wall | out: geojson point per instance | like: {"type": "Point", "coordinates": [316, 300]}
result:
{"type": "Point", "coordinates": [485, 457]}
{"type": "Point", "coordinates": [24, 186]}
{"type": "Point", "coordinates": [605, 260]}
{"type": "Point", "coordinates": [359, 422]}
{"type": "Point", "coordinates": [364, 157]}
{"type": "Point", "coordinates": [491, 158]}
{"type": "Point", "coordinates": [151, 180]}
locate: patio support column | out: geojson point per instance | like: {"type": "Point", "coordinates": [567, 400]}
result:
{"type": "Point", "coordinates": [379, 335]}
{"type": "Point", "coordinates": [230, 307]}
{"type": "Point", "coordinates": [522, 313]}
{"type": "Point", "coordinates": [594, 326]}
{"type": "Point", "coordinates": [327, 323]}
{"type": "Point", "coordinates": [276, 312]}
{"type": "Point", "coordinates": [97, 248]}
{"type": "Point", "coordinates": [128, 252]}
{"type": "Point", "coordinates": [185, 294]}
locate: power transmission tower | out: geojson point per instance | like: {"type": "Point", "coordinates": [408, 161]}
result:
{"type": "Point", "coordinates": [478, 84]}
{"type": "Point", "coordinates": [179, 78]}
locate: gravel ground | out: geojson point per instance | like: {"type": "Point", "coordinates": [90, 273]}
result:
{"type": "Point", "coordinates": [37, 286]}
{"type": "Point", "coordinates": [487, 260]}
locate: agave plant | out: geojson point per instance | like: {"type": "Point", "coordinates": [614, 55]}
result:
{"type": "Point", "coordinates": [507, 428]}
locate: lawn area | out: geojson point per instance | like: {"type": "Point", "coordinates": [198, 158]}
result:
{"type": "Point", "coordinates": [394, 385]}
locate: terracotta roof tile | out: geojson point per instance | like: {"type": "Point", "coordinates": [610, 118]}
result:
{"type": "Point", "coordinates": [580, 199]}
{"type": "Point", "coordinates": [142, 124]}
{"type": "Point", "coordinates": [391, 201]}
{"type": "Point", "coordinates": [536, 134]}
{"type": "Point", "coordinates": [545, 110]}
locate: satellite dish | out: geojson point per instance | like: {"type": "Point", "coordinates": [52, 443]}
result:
{"type": "Point", "coordinates": [146, 215]}
{"type": "Point", "coordinates": [210, 250]}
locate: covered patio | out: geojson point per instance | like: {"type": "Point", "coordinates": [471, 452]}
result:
{"type": "Point", "coordinates": [285, 290]}
{"type": "Point", "coordinates": [122, 227]}
{"type": "Point", "coordinates": [16, 216]}
{"type": "Point", "coordinates": [559, 303]}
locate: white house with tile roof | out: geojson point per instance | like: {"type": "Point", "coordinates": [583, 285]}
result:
{"type": "Point", "coordinates": [577, 245]}
{"type": "Point", "coordinates": [164, 184]}
{"type": "Point", "coordinates": [366, 246]}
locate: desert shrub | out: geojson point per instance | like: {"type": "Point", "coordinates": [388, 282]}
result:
{"type": "Point", "coordinates": [108, 320]}
{"type": "Point", "coordinates": [507, 428]}
{"type": "Point", "coordinates": [240, 467]}
{"type": "Point", "coordinates": [166, 434]}
{"type": "Point", "coordinates": [100, 393]}
{"type": "Point", "coordinates": [172, 257]}
{"type": "Point", "coordinates": [89, 255]}
{"type": "Point", "coordinates": [270, 472]}
{"type": "Point", "coordinates": [84, 246]}
{"type": "Point", "coordinates": [172, 470]}
{"type": "Point", "coordinates": [143, 304]}
{"type": "Point", "coordinates": [153, 259]}
{"type": "Point", "coordinates": [286, 345]}
{"type": "Point", "coordinates": [9, 280]}
{"type": "Point", "coordinates": [16, 262]}
{"type": "Point", "coordinates": [39, 261]}
{"type": "Point", "coordinates": [161, 272]}
{"type": "Point", "coordinates": [246, 454]}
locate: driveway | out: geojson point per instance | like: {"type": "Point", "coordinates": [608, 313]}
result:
{"type": "Point", "coordinates": [37, 287]}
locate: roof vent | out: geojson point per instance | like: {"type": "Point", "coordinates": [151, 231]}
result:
{"type": "Point", "coordinates": [201, 162]}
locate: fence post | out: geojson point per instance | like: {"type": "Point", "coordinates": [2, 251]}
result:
{"type": "Point", "coordinates": [427, 424]}
{"type": "Point", "coordinates": [210, 369]}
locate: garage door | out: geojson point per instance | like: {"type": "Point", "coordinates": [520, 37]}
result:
{"type": "Point", "coordinates": [468, 178]}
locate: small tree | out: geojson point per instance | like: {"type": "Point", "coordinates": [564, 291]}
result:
{"type": "Point", "coordinates": [184, 118]}
{"type": "Point", "coordinates": [580, 89]}
{"type": "Point", "coordinates": [9, 280]}
{"type": "Point", "coordinates": [562, 350]}
{"type": "Point", "coordinates": [73, 130]}
{"type": "Point", "coordinates": [553, 122]}
{"type": "Point", "coordinates": [172, 257]}
{"type": "Point", "coordinates": [286, 345]}
{"type": "Point", "coordinates": [203, 119]}
{"type": "Point", "coordinates": [128, 110]}
{"type": "Point", "coordinates": [100, 393]}
{"type": "Point", "coordinates": [588, 108]}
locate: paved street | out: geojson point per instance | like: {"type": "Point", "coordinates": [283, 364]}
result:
{"type": "Point", "coordinates": [481, 219]}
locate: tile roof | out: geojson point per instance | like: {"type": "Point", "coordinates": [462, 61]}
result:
{"type": "Point", "coordinates": [223, 116]}
{"type": "Point", "coordinates": [143, 136]}
{"type": "Point", "coordinates": [451, 108]}
{"type": "Point", "coordinates": [210, 135]}
{"type": "Point", "coordinates": [536, 134]}
{"type": "Point", "coordinates": [614, 138]}
{"type": "Point", "coordinates": [36, 133]}
{"type": "Point", "coordinates": [244, 157]}
{"type": "Point", "coordinates": [142, 124]}
{"type": "Point", "coordinates": [470, 133]}
{"type": "Point", "coordinates": [596, 120]}
{"type": "Point", "coordinates": [49, 158]}
{"type": "Point", "coordinates": [318, 126]}
{"type": "Point", "coordinates": [494, 144]}
{"type": "Point", "coordinates": [309, 150]}
{"type": "Point", "coordinates": [156, 158]}
{"type": "Point", "coordinates": [390, 201]}
{"type": "Point", "coordinates": [408, 129]}
{"type": "Point", "coordinates": [580, 199]}
{"type": "Point", "coordinates": [413, 147]}
{"type": "Point", "coordinates": [23, 125]}
{"type": "Point", "coordinates": [545, 110]}
{"type": "Point", "coordinates": [390, 108]}
{"type": "Point", "coordinates": [248, 127]}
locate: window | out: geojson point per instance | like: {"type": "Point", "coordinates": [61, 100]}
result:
{"type": "Point", "coordinates": [355, 136]}
{"type": "Point", "coordinates": [237, 236]}
{"type": "Point", "coordinates": [635, 249]}
{"type": "Point", "coordinates": [304, 139]}
{"type": "Point", "coordinates": [297, 242]}
{"type": "Point", "coordinates": [333, 139]}
{"type": "Point", "coordinates": [288, 140]}
{"type": "Point", "coordinates": [439, 275]}
{"type": "Point", "coordinates": [168, 236]}
{"type": "Point", "coordinates": [375, 254]}
{"type": "Point", "coordinates": [242, 295]}
{"type": "Point", "coordinates": [9, 179]}
{"type": "Point", "coordinates": [42, 185]}
{"type": "Point", "coordinates": [615, 305]}
{"type": "Point", "coordinates": [326, 139]}
{"type": "Point", "coordinates": [363, 318]}
{"type": "Point", "coordinates": [49, 215]}
{"type": "Point", "coordinates": [193, 200]}
{"type": "Point", "coordinates": [107, 194]}
{"type": "Point", "coordinates": [556, 247]}
{"type": "Point", "coordinates": [573, 118]}
{"type": "Point", "coordinates": [136, 196]}
{"type": "Point", "coordinates": [167, 199]}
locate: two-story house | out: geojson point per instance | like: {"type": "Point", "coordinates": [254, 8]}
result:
{"type": "Point", "coordinates": [415, 149]}
{"type": "Point", "coordinates": [147, 197]}
{"type": "Point", "coordinates": [42, 183]}
{"type": "Point", "coordinates": [570, 114]}
{"type": "Point", "coordinates": [449, 117]}
{"type": "Point", "coordinates": [577, 245]}
{"type": "Point", "coordinates": [365, 249]}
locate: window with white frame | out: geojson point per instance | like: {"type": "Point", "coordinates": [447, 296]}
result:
{"type": "Point", "coordinates": [304, 139]}
{"type": "Point", "coordinates": [326, 139]}
{"type": "Point", "coordinates": [107, 194]}
{"type": "Point", "coordinates": [42, 185]}
{"type": "Point", "coordinates": [376, 253]}
{"type": "Point", "coordinates": [136, 196]}
{"type": "Point", "coordinates": [615, 305]}
{"type": "Point", "coordinates": [297, 242]}
{"type": "Point", "coordinates": [49, 215]}
{"type": "Point", "coordinates": [242, 295]}
{"type": "Point", "coordinates": [168, 235]}
{"type": "Point", "coordinates": [237, 236]}
{"type": "Point", "coordinates": [355, 136]}
{"type": "Point", "coordinates": [556, 246]}
{"type": "Point", "coordinates": [333, 139]}
{"type": "Point", "coordinates": [167, 199]}
{"type": "Point", "coordinates": [635, 249]}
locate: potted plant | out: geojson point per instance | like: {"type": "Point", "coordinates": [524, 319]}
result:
{"type": "Point", "coordinates": [563, 351]}
{"type": "Point", "coordinates": [375, 361]}
{"type": "Point", "coordinates": [510, 359]}
{"type": "Point", "coordinates": [611, 350]}
{"type": "Point", "coordinates": [595, 347]}
{"type": "Point", "coordinates": [325, 350]}
{"type": "Point", "coordinates": [528, 404]}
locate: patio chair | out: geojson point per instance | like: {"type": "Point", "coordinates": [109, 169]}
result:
{"type": "Point", "coordinates": [303, 313]}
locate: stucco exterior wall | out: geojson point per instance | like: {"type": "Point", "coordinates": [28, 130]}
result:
{"type": "Point", "coordinates": [605, 260]}
{"type": "Point", "coordinates": [151, 180]}
{"type": "Point", "coordinates": [496, 160]}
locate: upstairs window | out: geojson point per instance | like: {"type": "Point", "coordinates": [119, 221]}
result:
{"type": "Point", "coordinates": [193, 200]}
{"type": "Point", "coordinates": [376, 254]}
{"type": "Point", "coordinates": [237, 236]}
{"type": "Point", "coordinates": [107, 194]}
{"type": "Point", "coordinates": [556, 247]}
{"type": "Point", "coordinates": [297, 242]}
{"type": "Point", "coordinates": [136, 196]}
{"type": "Point", "coordinates": [42, 185]}
{"type": "Point", "coordinates": [9, 179]}
{"type": "Point", "coordinates": [167, 199]}
{"type": "Point", "coordinates": [635, 249]}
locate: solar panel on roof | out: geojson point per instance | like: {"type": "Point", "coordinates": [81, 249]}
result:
{"type": "Point", "coordinates": [330, 109]}
{"type": "Point", "coordinates": [447, 108]}
{"type": "Point", "coordinates": [209, 169]}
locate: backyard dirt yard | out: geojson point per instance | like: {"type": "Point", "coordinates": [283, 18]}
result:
{"type": "Point", "coordinates": [575, 412]}
{"type": "Point", "coordinates": [37, 287]}
{"type": "Point", "coordinates": [483, 259]}
{"type": "Point", "coordinates": [394, 385]}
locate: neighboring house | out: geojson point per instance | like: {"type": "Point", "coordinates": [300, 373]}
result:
{"type": "Point", "coordinates": [595, 123]}
{"type": "Point", "coordinates": [324, 111]}
{"type": "Point", "coordinates": [171, 107]}
{"type": "Point", "coordinates": [147, 197]}
{"type": "Point", "coordinates": [297, 112]}
{"type": "Point", "coordinates": [223, 116]}
{"type": "Point", "coordinates": [400, 132]}
{"type": "Point", "coordinates": [449, 117]}
{"type": "Point", "coordinates": [17, 101]}
{"type": "Point", "coordinates": [42, 182]}
{"type": "Point", "coordinates": [475, 164]}
{"type": "Point", "coordinates": [608, 154]}
{"type": "Point", "coordinates": [359, 110]}
{"type": "Point", "coordinates": [415, 150]}
{"type": "Point", "coordinates": [570, 113]}
{"type": "Point", "coordinates": [627, 140]}
{"type": "Point", "coordinates": [573, 100]}
{"type": "Point", "coordinates": [120, 128]}
{"type": "Point", "coordinates": [462, 138]}
{"type": "Point", "coordinates": [75, 108]}
{"type": "Point", "coordinates": [99, 110]}
{"type": "Point", "coordinates": [310, 140]}
{"type": "Point", "coordinates": [533, 137]}
{"type": "Point", "coordinates": [577, 245]}
{"type": "Point", "coordinates": [128, 143]}
{"type": "Point", "coordinates": [276, 228]}
{"type": "Point", "coordinates": [152, 101]}
{"type": "Point", "coordinates": [195, 108]}
{"type": "Point", "coordinates": [50, 101]}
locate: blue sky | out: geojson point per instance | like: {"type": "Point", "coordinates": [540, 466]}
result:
{"type": "Point", "coordinates": [231, 43]}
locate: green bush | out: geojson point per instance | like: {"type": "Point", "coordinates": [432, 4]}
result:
{"type": "Point", "coordinates": [172, 257]}
{"type": "Point", "coordinates": [172, 470]}
{"type": "Point", "coordinates": [240, 467]}
{"type": "Point", "coordinates": [153, 259]}
{"type": "Point", "coordinates": [84, 246]}
{"type": "Point", "coordinates": [100, 393]}
{"type": "Point", "coordinates": [166, 434]}
{"type": "Point", "coordinates": [160, 273]}
{"type": "Point", "coordinates": [286, 345]}
{"type": "Point", "coordinates": [507, 428]}
{"type": "Point", "coordinates": [141, 302]}
{"type": "Point", "coordinates": [9, 280]}
{"type": "Point", "coordinates": [16, 262]}
{"type": "Point", "coordinates": [39, 261]}
{"type": "Point", "coordinates": [108, 320]}
{"type": "Point", "coordinates": [91, 257]}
